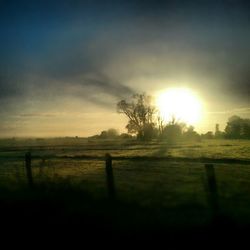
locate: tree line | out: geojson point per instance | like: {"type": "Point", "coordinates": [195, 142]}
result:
{"type": "Point", "coordinates": [145, 123]}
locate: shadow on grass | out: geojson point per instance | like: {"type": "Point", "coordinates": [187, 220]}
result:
{"type": "Point", "coordinates": [161, 151]}
{"type": "Point", "coordinates": [65, 210]}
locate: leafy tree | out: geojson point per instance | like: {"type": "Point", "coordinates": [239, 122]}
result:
{"type": "Point", "coordinates": [109, 134]}
{"type": "Point", "coordinates": [208, 135]}
{"type": "Point", "coordinates": [140, 113]}
{"type": "Point", "coordinates": [173, 130]}
{"type": "Point", "coordinates": [237, 128]}
{"type": "Point", "coordinates": [125, 136]}
{"type": "Point", "coordinates": [103, 135]}
{"type": "Point", "coordinates": [112, 133]}
{"type": "Point", "coordinates": [191, 134]}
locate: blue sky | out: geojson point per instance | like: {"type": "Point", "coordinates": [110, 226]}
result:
{"type": "Point", "coordinates": [65, 64]}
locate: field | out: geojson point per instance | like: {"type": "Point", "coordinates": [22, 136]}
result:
{"type": "Point", "coordinates": [159, 186]}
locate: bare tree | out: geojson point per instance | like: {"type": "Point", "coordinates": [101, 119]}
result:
{"type": "Point", "coordinates": [141, 114]}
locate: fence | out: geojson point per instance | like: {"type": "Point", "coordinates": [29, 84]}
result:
{"type": "Point", "coordinates": [36, 164]}
{"type": "Point", "coordinates": [108, 170]}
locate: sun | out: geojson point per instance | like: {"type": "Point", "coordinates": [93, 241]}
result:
{"type": "Point", "coordinates": [180, 103]}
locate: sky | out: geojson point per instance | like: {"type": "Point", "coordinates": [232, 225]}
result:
{"type": "Point", "coordinates": [65, 64]}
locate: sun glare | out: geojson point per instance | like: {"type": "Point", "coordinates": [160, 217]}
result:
{"type": "Point", "coordinates": [180, 103]}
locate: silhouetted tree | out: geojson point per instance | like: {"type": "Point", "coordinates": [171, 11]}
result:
{"type": "Point", "coordinates": [160, 123]}
{"type": "Point", "coordinates": [125, 136]}
{"type": "Point", "coordinates": [112, 133]}
{"type": "Point", "coordinates": [109, 134]}
{"type": "Point", "coordinates": [103, 135]}
{"type": "Point", "coordinates": [140, 113]}
{"type": "Point", "coordinates": [173, 130]}
{"type": "Point", "coordinates": [208, 135]}
{"type": "Point", "coordinates": [218, 134]}
{"type": "Point", "coordinates": [191, 134]}
{"type": "Point", "coordinates": [237, 128]}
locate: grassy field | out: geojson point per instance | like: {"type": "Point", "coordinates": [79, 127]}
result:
{"type": "Point", "coordinates": [158, 185]}
{"type": "Point", "coordinates": [234, 149]}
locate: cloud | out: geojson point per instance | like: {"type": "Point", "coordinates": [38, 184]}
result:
{"type": "Point", "coordinates": [93, 54]}
{"type": "Point", "coordinates": [37, 115]}
{"type": "Point", "coordinates": [239, 111]}
{"type": "Point", "coordinates": [106, 85]}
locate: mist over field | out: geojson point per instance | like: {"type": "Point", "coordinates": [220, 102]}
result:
{"type": "Point", "coordinates": [125, 121]}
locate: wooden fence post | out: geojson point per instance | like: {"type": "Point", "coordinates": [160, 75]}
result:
{"type": "Point", "coordinates": [28, 169]}
{"type": "Point", "coordinates": [212, 189]}
{"type": "Point", "coordinates": [110, 177]}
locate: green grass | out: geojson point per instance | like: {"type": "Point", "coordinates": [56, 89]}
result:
{"type": "Point", "coordinates": [239, 149]}
{"type": "Point", "coordinates": [175, 191]}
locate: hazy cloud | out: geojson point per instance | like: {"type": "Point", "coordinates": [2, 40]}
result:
{"type": "Point", "coordinates": [239, 111]}
{"type": "Point", "coordinates": [59, 56]}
